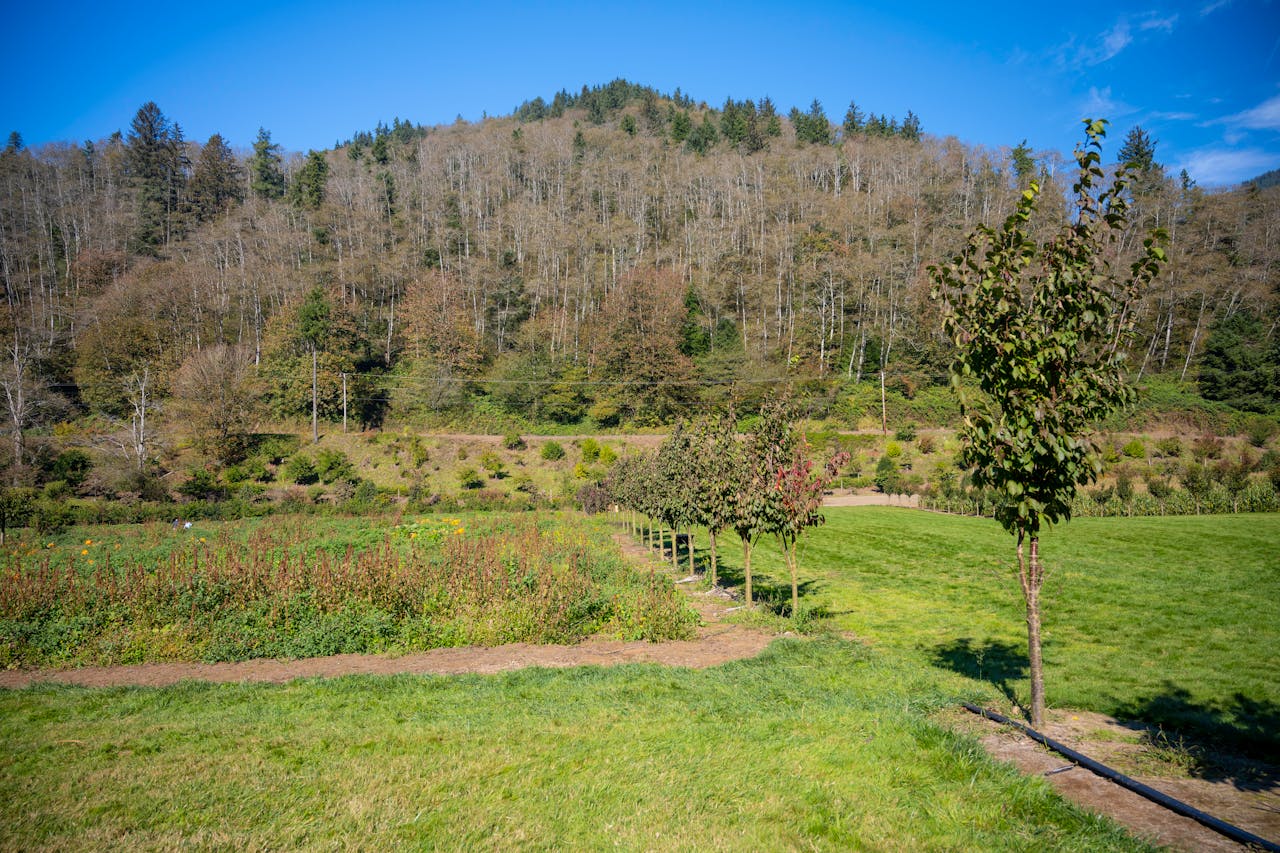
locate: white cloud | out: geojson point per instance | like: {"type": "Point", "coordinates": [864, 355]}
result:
{"type": "Point", "coordinates": [1115, 40]}
{"type": "Point", "coordinates": [1265, 116]}
{"type": "Point", "coordinates": [1223, 166]}
{"type": "Point", "coordinates": [1210, 8]}
{"type": "Point", "coordinates": [1153, 22]}
{"type": "Point", "coordinates": [1173, 116]}
{"type": "Point", "coordinates": [1100, 104]}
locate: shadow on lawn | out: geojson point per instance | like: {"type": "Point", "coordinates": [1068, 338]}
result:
{"type": "Point", "coordinates": [1236, 740]}
{"type": "Point", "coordinates": [1001, 664]}
{"type": "Point", "coordinates": [771, 594]}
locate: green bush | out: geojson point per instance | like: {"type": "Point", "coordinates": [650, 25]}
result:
{"type": "Point", "coordinates": [905, 433]}
{"type": "Point", "coordinates": [301, 469]}
{"type": "Point", "coordinates": [1135, 449]}
{"type": "Point", "coordinates": [333, 465]}
{"type": "Point", "coordinates": [513, 441]}
{"type": "Point", "coordinates": [552, 451]}
{"type": "Point", "coordinates": [607, 455]}
{"type": "Point", "coordinates": [469, 478]}
{"type": "Point", "coordinates": [1169, 448]}
{"type": "Point", "coordinates": [590, 450]}
{"type": "Point", "coordinates": [72, 467]}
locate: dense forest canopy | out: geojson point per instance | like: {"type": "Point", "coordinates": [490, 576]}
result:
{"type": "Point", "coordinates": [616, 255]}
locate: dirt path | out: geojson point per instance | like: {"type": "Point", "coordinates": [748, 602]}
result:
{"type": "Point", "coordinates": [1249, 798]}
{"type": "Point", "coordinates": [1254, 806]}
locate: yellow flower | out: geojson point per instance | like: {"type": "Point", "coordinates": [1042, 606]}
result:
{"type": "Point", "coordinates": [50, 544]}
{"type": "Point", "coordinates": [91, 562]}
{"type": "Point", "coordinates": [459, 530]}
{"type": "Point", "coordinates": [413, 535]}
{"type": "Point", "coordinates": [201, 538]}
{"type": "Point", "coordinates": [88, 541]}
{"type": "Point", "coordinates": [84, 551]}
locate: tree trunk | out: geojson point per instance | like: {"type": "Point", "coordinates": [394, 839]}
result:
{"type": "Point", "coordinates": [712, 535]}
{"type": "Point", "coordinates": [675, 540]}
{"type": "Point", "coordinates": [789, 554]}
{"type": "Point", "coordinates": [315, 423]}
{"type": "Point", "coordinates": [688, 544]}
{"type": "Point", "coordinates": [746, 565]}
{"type": "Point", "coordinates": [1031, 576]}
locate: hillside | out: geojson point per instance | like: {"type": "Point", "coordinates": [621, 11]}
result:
{"type": "Point", "coordinates": [615, 258]}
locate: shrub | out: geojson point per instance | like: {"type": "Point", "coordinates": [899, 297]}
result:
{"type": "Point", "coordinates": [203, 485]}
{"type": "Point", "coordinates": [905, 433]}
{"type": "Point", "coordinates": [893, 449]}
{"type": "Point", "coordinates": [1158, 487]}
{"type": "Point", "coordinates": [1169, 448]}
{"type": "Point", "coordinates": [492, 463]}
{"type": "Point", "coordinates": [333, 465]}
{"type": "Point", "coordinates": [593, 498]}
{"type": "Point", "coordinates": [926, 444]}
{"type": "Point", "coordinates": [469, 478]}
{"type": "Point", "coordinates": [1135, 449]}
{"type": "Point", "coordinates": [590, 450]}
{"type": "Point", "coordinates": [552, 451]}
{"type": "Point", "coordinates": [300, 469]}
{"type": "Point", "coordinates": [513, 441]}
{"type": "Point", "coordinates": [73, 466]}
{"type": "Point", "coordinates": [1259, 429]}
{"type": "Point", "coordinates": [607, 455]}
{"type": "Point", "coordinates": [1207, 447]}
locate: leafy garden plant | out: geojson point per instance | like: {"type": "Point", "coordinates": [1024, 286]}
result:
{"type": "Point", "coordinates": [1043, 330]}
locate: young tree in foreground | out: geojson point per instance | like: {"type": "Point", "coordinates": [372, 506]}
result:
{"type": "Point", "coordinates": [1043, 329]}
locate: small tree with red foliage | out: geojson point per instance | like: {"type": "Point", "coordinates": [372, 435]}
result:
{"type": "Point", "coordinates": [795, 504]}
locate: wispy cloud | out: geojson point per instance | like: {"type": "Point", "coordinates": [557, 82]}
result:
{"type": "Point", "coordinates": [1155, 22]}
{"type": "Point", "coordinates": [1110, 43]}
{"type": "Point", "coordinates": [1223, 166]}
{"type": "Point", "coordinates": [1210, 8]}
{"type": "Point", "coordinates": [1265, 116]}
{"type": "Point", "coordinates": [1173, 116]}
{"type": "Point", "coordinates": [1101, 104]}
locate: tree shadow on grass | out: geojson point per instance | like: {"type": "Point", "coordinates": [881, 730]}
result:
{"type": "Point", "coordinates": [771, 594]}
{"type": "Point", "coordinates": [995, 662]}
{"type": "Point", "coordinates": [1235, 740]}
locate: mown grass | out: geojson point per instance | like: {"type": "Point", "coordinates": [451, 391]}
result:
{"type": "Point", "coordinates": [1166, 620]}
{"type": "Point", "coordinates": [814, 745]}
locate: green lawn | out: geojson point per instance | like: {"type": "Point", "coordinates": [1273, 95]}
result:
{"type": "Point", "coordinates": [813, 745]}
{"type": "Point", "coordinates": [1171, 620]}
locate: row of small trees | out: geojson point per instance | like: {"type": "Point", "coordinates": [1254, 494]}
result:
{"type": "Point", "coordinates": [707, 475]}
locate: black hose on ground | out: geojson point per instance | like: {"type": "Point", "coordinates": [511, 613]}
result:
{"type": "Point", "coordinates": [1221, 827]}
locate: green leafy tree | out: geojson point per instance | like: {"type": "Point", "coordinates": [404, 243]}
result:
{"type": "Point", "coordinates": [16, 506]}
{"type": "Point", "coordinates": [1239, 366]}
{"type": "Point", "coordinates": [1043, 331]}
{"type": "Point", "coordinates": [307, 190]}
{"type": "Point", "coordinates": [717, 462]}
{"type": "Point", "coordinates": [854, 119]}
{"type": "Point", "coordinates": [796, 505]}
{"type": "Point", "coordinates": [764, 452]}
{"type": "Point", "coordinates": [217, 180]}
{"type": "Point", "coordinates": [157, 168]}
{"type": "Point", "coordinates": [1024, 164]}
{"type": "Point", "coordinates": [266, 170]}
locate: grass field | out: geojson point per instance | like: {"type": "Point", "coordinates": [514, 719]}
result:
{"type": "Point", "coordinates": [814, 745]}
{"type": "Point", "coordinates": [1167, 620]}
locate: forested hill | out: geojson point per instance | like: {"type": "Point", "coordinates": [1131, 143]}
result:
{"type": "Point", "coordinates": [615, 256]}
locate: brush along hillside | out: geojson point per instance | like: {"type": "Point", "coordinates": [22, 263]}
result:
{"type": "Point", "coordinates": [614, 258]}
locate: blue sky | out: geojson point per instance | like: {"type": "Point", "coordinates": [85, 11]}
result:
{"type": "Point", "coordinates": [1202, 78]}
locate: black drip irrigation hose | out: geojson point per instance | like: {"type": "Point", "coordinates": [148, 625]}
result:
{"type": "Point", "coordinates": [1221, 827]}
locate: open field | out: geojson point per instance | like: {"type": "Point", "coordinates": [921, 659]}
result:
{"type": "Point", "coordinates": [1166, 620]}
{"type": "Point", "coordinates": [822, 745]}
